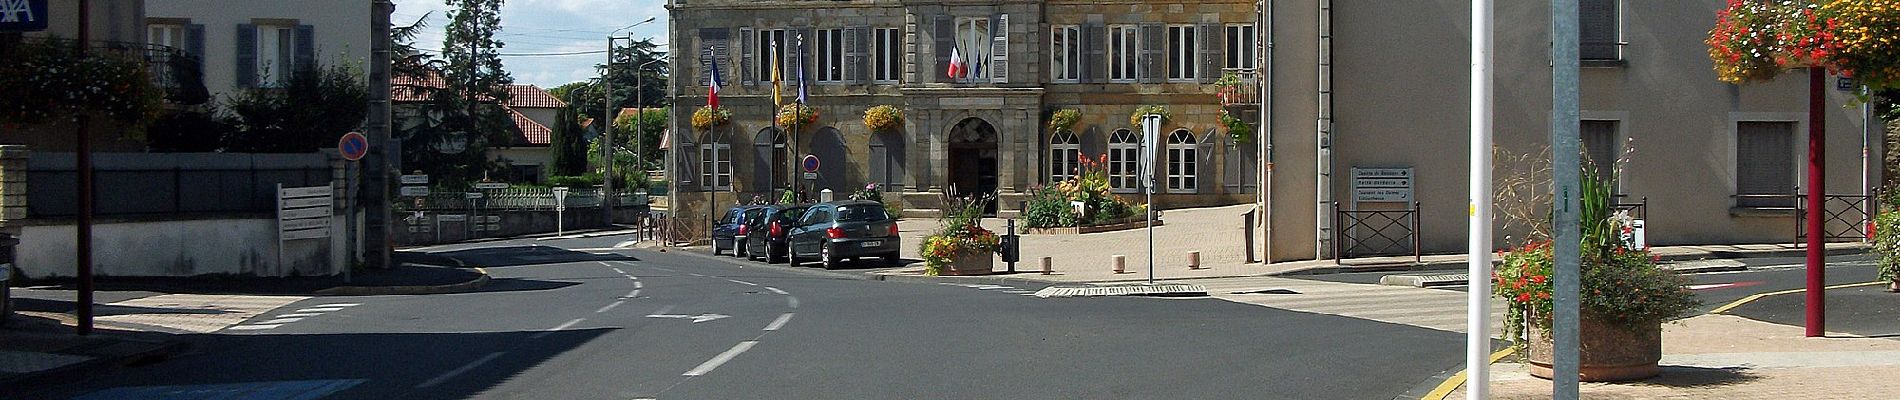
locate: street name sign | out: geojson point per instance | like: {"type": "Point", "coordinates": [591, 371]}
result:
{"type": "Point", "coordinates": [415, 191]}
{"type": "Point", "coordinates": [452, 218]}
{"type": "Point", "coordinates": [1382, 185]}
{"type": "Point", "coordinates": [491, 185]}
{"type": "Point", "coordinates": [415, 179]}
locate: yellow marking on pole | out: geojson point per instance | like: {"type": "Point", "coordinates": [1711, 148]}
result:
{"type": "Point", "coordinates": [1758, 296]}
{"type": "Point", "coordinates": [1458, 379]}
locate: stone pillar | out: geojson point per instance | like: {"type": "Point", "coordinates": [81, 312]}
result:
{"type": "Point", "coordinates": [12, 183]}
{"type": "Point", "coordinates": [936, 172]}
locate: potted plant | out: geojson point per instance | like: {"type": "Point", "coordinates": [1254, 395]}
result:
{"type": "Point", "coordinates": [1237, 129]}
{"type": "Point", "coordinates": [1624, 296]}
{"type": "Point", "coordinates": [797, 115]}
{"type": "Point", "coordinates": [883, 118]}
{"type": "Point", "coordinates": [1135, 118]}
{"type": "Point", "coordinates": [1063, 120]}
{"type": "Point", "coordinates": [960, 246]}
{"type": "Point", "coordinates": [707, 117]}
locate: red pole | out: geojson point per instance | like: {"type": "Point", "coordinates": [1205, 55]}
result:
{"type": "Point", "coordinates": [1817, 200]}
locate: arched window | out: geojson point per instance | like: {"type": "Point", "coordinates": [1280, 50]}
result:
{"type": "Point", "coordinates": [1181, 158]}
{"type": "Point", "coordinates": [1064, 150]}
{"type": "Point", "coordinates": [1124, 161]}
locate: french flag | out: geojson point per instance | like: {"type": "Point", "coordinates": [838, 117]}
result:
{"type": "Point", "coordinates": [712, 87]}
{"type": "Point", "coordinates": [957, 67]}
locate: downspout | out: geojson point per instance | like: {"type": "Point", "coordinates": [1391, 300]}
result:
{"type": "Point", "coordinates": [1264, 45]}
{"type": "Point", "coordinates": [1323, 211]}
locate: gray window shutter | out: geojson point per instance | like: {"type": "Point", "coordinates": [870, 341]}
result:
{"type": "Point", "coordinates": [306, 45]}
{"type": "Point", "coordinates": [1153, 36]}
{"type": "Point", "coordinates": [1095, 40]}
{"type": "Point", "coordinates": [863, 51]}
{"type": "Point", "coordinates": [246, 44]}
{"type": "Point", "coordinates": [880, 164]}
{"type": "Point", "coordinates": [711, 40]}
{"type": "Point", "coordinates": [999, 48]}
{"type": "Point", "coordinates": [1764, 158]}
{"type": "Point", "coordinates": [1204, 165]}
{"type": "Point", "coordinates": [943, 32]}
{"type": "Point", "coordinates": [854, 55]}
{"type": "Point", "coordinates": [195, 41]}
{"type": "Point", "coordinates": [1597, 30]}
{"type": "Point", "coordinates": [744, 67]}
{"type": "Point", "coordinates": [722, 51]}
{"type": "Point", "coordinates": [1212, 42]}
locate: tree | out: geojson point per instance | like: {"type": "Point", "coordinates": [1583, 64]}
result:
{"type": "Point", "coordinates": [568, 146]}
{"type": "Point", "coordinates": [564, 91]}
{"type": "Point", "coordinates": [312, 109]}
{"type": "Point", "coordinates": [651, 123]}
{"type": "Point", "coordinates": [461, 119]}
{"type": "Point", "coordinates": [627, 75]}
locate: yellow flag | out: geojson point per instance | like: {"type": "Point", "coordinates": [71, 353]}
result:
{"type": "Point", "coordinates": [776, 99]}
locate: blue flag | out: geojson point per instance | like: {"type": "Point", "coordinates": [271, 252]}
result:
{"type": "Point", "coordinates": [800, 45]}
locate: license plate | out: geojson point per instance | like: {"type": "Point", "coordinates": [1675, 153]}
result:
{"type": "Point", "coordinates": [873, 243]}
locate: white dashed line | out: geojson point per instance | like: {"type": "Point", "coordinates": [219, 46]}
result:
{"type": "Point", "coordinates": [791, 301]}
{"type": "Point", "coordinates": [639, 285]}
{"type": "Point", "coordinates": [742, 282]}
{"type": "Point", "coordinates": [299, 315]}
{"type": "Point", "coordinates": [632, 294]}
{"type": "Point", "coordinates": [557, 328]}
{"type": "Point", "coordinates": [618, 271]}
{"type": "Point", "coordinates": [459, 370]}
{"type": "Point", "coordinates": [609, 307]}
{"type": "Point", "coordinates": [698, 275]}
{"type": "Point", "coordinates": [253, 327]}
{"type": "Point", "coordinates": [722, 358]}
{"type": "Point", "coordinates": [320, 310]}
{"type": "Point", "coordinates": [780, 322]}
{"type": "Point", "coordinates": [280, 321]}
{"type": "Point", "coordinates": [775, 290]}
{"type": "Point", "coordinates": [339, 305]}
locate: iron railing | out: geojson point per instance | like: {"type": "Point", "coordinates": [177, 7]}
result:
{"type": "Point", "coordinates": [517, 198]}
{"type": "Point", "coordinates": [1245, 92]}
{"type": "Point", "coordinates": [1844, 217]}
{"type": "Point", "coordinates": [1375, 233]}
{"type": "Point", "coordinates": [179, 73]}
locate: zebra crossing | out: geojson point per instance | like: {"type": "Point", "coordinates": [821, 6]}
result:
{"type": "Point", "coordinates": [998, 288]}
{"type": "Point", "coordinates": [298, 315]}
{"type": "Point", "coordinates": [1427, 308]}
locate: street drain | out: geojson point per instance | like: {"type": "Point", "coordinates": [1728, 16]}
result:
{"type": "Point", "coordinates": [1173, 289]}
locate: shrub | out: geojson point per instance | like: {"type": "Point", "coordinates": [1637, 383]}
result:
{"type": "Point", "coordinates": [1048, 208]}
{"type": "Point", "coordinates": [1887, 244]}
{"type": "Point", "coordinates": [1063, 120]}
{"type": "Point", "coordinates": [960, 231]}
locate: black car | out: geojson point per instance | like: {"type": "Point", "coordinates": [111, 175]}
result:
{"type": "Point", "coordinates": [840, 230]}
{"type": "Point", "coordinates": [728, 226]}
{"type": "Point", "coordinates": [764, 236]}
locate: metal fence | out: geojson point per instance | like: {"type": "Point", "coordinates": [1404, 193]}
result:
{"type": "Point", "coordinates": [1375, 233]}
{"type": "Point", "coordinates": [516, 198]}
{"type": "Point", "coordinates": [1844, 217]}
{"type": "Point", "coordinates": [157, 184]}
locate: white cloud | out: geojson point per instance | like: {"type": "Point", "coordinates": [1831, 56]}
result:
{"type": "Point", "coordinates": [549, 26]}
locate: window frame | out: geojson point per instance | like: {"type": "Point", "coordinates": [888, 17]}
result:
{"type": "Point", "coordinates": [715, 171]}
{"type": "Point", "coordinates": [828, 52]}
{"type": "Point", "coordinates": [1241, 42]}
{"type": "Point", "coordinates": [1124, 53]}
{"type": "Point", "coordinates": [1065, 59]}
{"type": "Point", "coordinates": [275, 70]}
{"type": "Point", "coordinates": [1183, 156]}
{"type": "Point", "coordinates": [172, 31]}
{"type": "Point", "coordinates": [1182, 54]}
{"type": "Point", "coordinates": [1064, 150]}
{"type": "Point", "coordinates": [1124, 155]}
{"type": "Point", "coordinates": [888, 45]}
{"type": "Point", "coordinates": [1617, 41]}
{"type": "Point", "coordinates": [966, 38]}
{"type": "Point", "coordinates": [764, 41]}
{"type": "Point", "coordinates": [1788, 154]}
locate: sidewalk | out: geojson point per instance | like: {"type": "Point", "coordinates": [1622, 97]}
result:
{"type": "Point", "coordinates": [1728, 357]}
{"type": "Point", "coordinates": [1217, 234]}
{"type": "Point", "coordinates": [38, 350]}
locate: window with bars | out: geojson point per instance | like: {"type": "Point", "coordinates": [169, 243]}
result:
{"type": "Point", "coordinates": [1124, 53]}
{"type": "Point", "coordinates": [831, 58]}
{"type": "Point", "coordinates": [1240, 46]}
{"type": "Point", "coordinates": [1065, 59]}
{"type": "Point", "coordinates": [715, 166]}
{"type": "Point", "coordinates": [1064, 156]}
{"type": "Point", "coordinates": [1183, 65]}
{"type": "Point", "coordinates": [1182, 153]}
{"type": "Point", "coordinates": [890, 55]}
{"type": "Point", "coordinates": [1764, 164]}
{"type": "Point", "coordinates": [1124, 161]}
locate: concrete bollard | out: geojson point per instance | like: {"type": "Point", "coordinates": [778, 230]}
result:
{"type": "Point", "coordinates": [1048, 266]}
{"type": "Point", "coordinates": [1194, 260]}
{"type": "Point", "coordinates": [1121, 264]}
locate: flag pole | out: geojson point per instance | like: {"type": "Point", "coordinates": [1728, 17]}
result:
{"type": "Point", "coordinates": [1478, 308]}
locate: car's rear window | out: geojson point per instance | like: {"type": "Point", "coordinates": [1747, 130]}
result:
{"type": "Point", "coordinates": [861, 213]}
{"type": "Point", "coordinates": [791, 214]}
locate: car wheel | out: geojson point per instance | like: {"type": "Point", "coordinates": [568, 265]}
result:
{"type": "Point", "coordinates": [791, 254]}
{"type": "Point", "coordinates": [715, 247]}
{"type": "Point", "coordinates": [771, 254]}
{"type": "Point", "coordinates": [825, 258]}
{"type": "Point", "coordinates": [739, 250]}
{"type": "Point", "coordinates": [891, 260]}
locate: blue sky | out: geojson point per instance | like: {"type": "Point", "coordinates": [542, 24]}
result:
{"type": "Point", "coordinates": [549, 26]}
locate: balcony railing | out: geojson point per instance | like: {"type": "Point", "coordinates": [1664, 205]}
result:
{"type": "Point", "coordinates": [179, 74]}
{"type": "Point", "coordinates": [1239, 86]}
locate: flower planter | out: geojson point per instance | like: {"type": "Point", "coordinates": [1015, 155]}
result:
{"type": "Point", "coordinates": [970, 263]}
{"type": "Point", "coordinates": [1607, 353]}
{"type": "Point", "coordinates": [1123, 224]}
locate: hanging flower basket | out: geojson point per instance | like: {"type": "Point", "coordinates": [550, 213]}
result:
{"type": "Point", "coordinates": [1135, 119]}
{"type": "Point", "coordinates": [1745, 41]}
{"type": "Point", "coordinates": [1063, 120]}
{"type": "Point", "coordinates": [883, 118]}
{"type": "Point", "coordinates": [796, 114]}
{"type": "Point", "coordinates": [1239, 130]}
{"type": "Point", "coordinates": [707, 117]}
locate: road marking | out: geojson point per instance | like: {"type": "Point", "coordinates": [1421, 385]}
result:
{"type": "Point", "coordinates": [618, 271]}
{"type": "Point", "coordinates": [698, 275]}
{"type": "Point", "coordinates": [609, 307]}
{"type": "Point", "coordinates": [1458, 379]}
{"type": "Point", "coordinates": [632, 294]}
{"type": "Point", "coordinates": [320, 309]}
{"type": "Point", "coordinates": [638, 285]}
{"type": "Point", "coordinates": [780, 322]}
{"type": "Point", "coordinates": [663, 310]}
{"type": "Point", "coordinates": [254, 327]}
{"type": "Point", "coordinates": [459, 370]}
{"type": "Point", "coordinates": [557, 328]}
{"type": "Point", "coordinates": [696, 318]}
{"type": "Point", "coordinates": [1758, 296]}
{"type": "Point", "coordinates": [339, 305]}
{"type": "Point", "coordinates": [299, 315]}
{"type": "Point", "coordinates": [280, 321]}
{"type": "Point", "coordinates": [665, 269]}
{"type": "Point", "coordinates": [626, 244]}
{"type": "Point", "coordinates": [722, 358]}
{"type": "Point", "coordinates": [1722, 285]}
{"type": "Point", "coordinates": [791, 301]}
{"type": "Point", "coordinates": [743, 282]}
{"type": "Point", "coordinates": [775, 290]}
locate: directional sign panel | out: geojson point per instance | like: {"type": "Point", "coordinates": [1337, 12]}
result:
{"type": "Point", "coordinates": [491, 185]}
{"type": "Point", "coordinates": [23, 15]}
{"type": "Point", "coordinates": [415, 191]}
{"type": "Point", "coordinates": [415, 179]}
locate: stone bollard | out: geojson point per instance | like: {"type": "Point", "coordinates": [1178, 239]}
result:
{"type": "Point", "coordinates": [1121, 264]}
{"type": "Point", "coordinates": [1194, 260]}
{"type": "Point", "coordinates": [1047, 266]}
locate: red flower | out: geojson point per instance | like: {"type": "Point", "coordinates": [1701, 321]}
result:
{"type": "Point", "coordinates": [1523, 297]}
{"type": "Point", "coordinates": [1537, 278]}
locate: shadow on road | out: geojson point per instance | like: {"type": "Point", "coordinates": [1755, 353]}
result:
{"type": "Point", "coordinates": [509, 256]}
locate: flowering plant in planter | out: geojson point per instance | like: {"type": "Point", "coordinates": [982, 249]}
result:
{"type": "Point", "coordinates": [869, 192]}
{"type": "Point", "coordinates": [883, 118]}
{"type": "Point", "coordinates": [1135, 118]}
{"type": "Point", "coordinates": [797, 114]}
{"type": "Point", "coordinates": [1052, 206]}
{"type": "Point", "coordinates": [1756, 40]}
{"type": "Point", "coordinates": [707, 117]}
{"type": "Point", "coordinates": [1063, 120]}
{"type": "Point", "coordinates": [1238, 129]}
{"type": "Point", "coordinates": [47, 81]}
{"type": "Point", "coordinates": [960, 234]}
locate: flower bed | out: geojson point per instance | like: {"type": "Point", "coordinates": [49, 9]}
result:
{"type": "Point", "coordinates": [1055, 206]}
{"type": "Point", "coordinates": [960, 246]}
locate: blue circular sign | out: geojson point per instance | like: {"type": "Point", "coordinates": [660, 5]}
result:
{"type": "Point", "coordinates": [811, 163]}
{"type": "Point", "coordinates": [353, 145]}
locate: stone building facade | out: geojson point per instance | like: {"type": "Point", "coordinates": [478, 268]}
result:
{"type": "Point", "coordinates": [981, 132]}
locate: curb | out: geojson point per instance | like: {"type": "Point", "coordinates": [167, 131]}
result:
{"type": "Point", "coordinates": [103, 357]}
{"type": "Point", "coordinates": [1712, 255]}
{"type": "Point", "coordinates": [469, 285]}
{"type": "Point", "coordinates": [779, 267]}
{"type": "Point", "coordinates": [998, 278]}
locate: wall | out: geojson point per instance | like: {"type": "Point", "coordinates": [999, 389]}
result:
{"type": "Point", "coordinates": [341, 28]}
{"type": "Point", "coordinates": [513, 223]}
{"type": "Point", "coordinates": [112, 20]}
{"type": "Point", "coordinates": [234, 246]}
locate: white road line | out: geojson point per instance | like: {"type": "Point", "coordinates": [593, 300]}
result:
{"type": "Point", "coordinates": [626, 244]}
{"type": "Point", "coordinates": [664, 310]}
{"type": "Point", "coordinates": [743, 282]}
{"type": "Point", "coordinates": [630, 276]}
{"type": "Point", "coordinates": [280, 321]}
{"type": "Point", "coordinates": [775, 290]}
{"type": "Point", "coordinates": [663, 269]}
{"type": "Point", "coordinates": [609, 306]}
{"type": "Point", "coordinates": [558, 328]}
{"type": "Point", "coordinates": [634, 293]}
{"type": "Point", "coordinates": [459, 370]}
{"type": "Point", "coordinates": [253, 327]}
{"type": "Point", "coordinates": [618, 271]}
{"type": "Point", "coordinates": [639, 285]}
{"type": "Point", "coordinates": [791, 301]}
{"type": "Point", "coordinates": [299, 315]}
{"type": "Point", "coordinates": [320, 310]}
{"type": "Point", "coordinates": [780, 322]}
{"type": "Point", "coordinates": [339, 305]}
{"type": "Point", "coordinates": [698, 275]}
{"type": "Point", "coordinates": [722, 358]}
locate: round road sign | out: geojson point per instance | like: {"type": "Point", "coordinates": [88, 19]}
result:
{"type": "Point", "coordinates": [353, 145]}
{"type": "Point", "coordinates": [810, 163]}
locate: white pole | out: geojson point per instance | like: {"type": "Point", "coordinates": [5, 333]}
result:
{"type": "Point", "coordinates": [1478, 311]}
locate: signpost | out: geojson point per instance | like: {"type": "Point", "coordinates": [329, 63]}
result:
{"type": "Point", "coordinates": [353, 145]}
{"type": "Point", "coordinates": [560, 211]}
{"type": "Point", "coordinates": [491, 185]}
{"type": "Point", "coordinates": [415, 179]}
{"type": "Point", "coordinates": [415, 191]}
{"type": "Point", "coordinates": [1150, 131]}
{"type": "Point", "coordinates": [302, 213]}
{"type": "Point", "coordinates": [1382, 185]}
{"type": "Point", "coordinates": [22, 15]}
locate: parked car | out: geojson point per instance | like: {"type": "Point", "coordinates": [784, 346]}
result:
{"type": "Point", "coordinates": [728, 226]}
{"type": "Point", "coordinates": [764, 236]}
{"type": "Point", "coordinates": [843, 230]}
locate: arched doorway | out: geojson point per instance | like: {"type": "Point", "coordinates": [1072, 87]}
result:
{"type": "Point", "coordinates": [768, 156]}
{"type": "Point", "coordinates": [828, 145]}
{"type": "Point", "coordinates": [973, 159]}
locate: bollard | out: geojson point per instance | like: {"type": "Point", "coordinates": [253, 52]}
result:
{"type": "Point", "coordinates": [1194, 260]}
{"type": "Point", "coordinates": [1047, 266]}
{"type": "Point", "coordinates": [1121, 264]}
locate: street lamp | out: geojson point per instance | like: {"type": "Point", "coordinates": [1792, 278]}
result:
{"type": "Point", "coordinates": [639, 116]}
{"type": "Point", "coordinates": [607, 123]}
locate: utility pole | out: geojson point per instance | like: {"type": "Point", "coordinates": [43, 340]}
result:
{"type": "Point", "coordinates": [607, 134]}
{"type": "Point", "coordinates": [83, 166]}
{"type": "Point", "coordinates": [1567, 251]}
{"type": "Point", "coordinates": [375, 191]}
{"type": "Point", "coordinates": [1817, 201]}
{"type": "Point", "coordinates": [1478, 252]}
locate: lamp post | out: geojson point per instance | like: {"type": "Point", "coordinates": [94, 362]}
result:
{"type": "Point", "coordinates": [607, 123]}
{"type": "Point", "coordinates": [639, 116]}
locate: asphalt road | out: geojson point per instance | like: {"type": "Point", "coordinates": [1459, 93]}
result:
{"type": "Point", "coordinates": [597, 324]}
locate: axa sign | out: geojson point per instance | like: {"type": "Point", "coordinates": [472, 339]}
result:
{"type": "Point", "coordinates": [22, 15]}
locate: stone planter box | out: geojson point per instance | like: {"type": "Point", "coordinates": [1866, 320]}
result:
{"type": "Point", "coordinates": [1128, 223]}
{"type": "Point", "coordinates": [970, 263]}
{"type": "Point", "coordinates": [1606, 353]}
